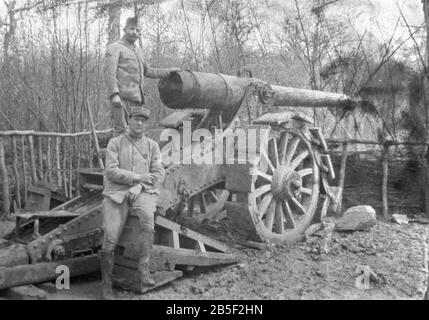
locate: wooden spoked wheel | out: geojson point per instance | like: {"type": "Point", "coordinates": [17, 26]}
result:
{"type": "Point", "coordinates": [285, 187]}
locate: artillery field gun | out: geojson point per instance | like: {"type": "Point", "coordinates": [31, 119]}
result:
{"type": "Point", "coordinates": [270, 175]}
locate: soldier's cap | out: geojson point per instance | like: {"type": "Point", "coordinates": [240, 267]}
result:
{"type": "Point", "coordinates": [139, 112]}
{"type": "Point", "coordinates": [132, 22]}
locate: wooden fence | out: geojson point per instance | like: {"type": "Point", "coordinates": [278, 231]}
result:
{"type": "Point", "coordinates": [54, 158]}
{"type": "Point", "coordinates": [386, 160]}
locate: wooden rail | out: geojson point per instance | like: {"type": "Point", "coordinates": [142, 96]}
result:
{"type": "Point", "coordinates": [29, 157]}
{"type": "Point", "coordinates": [386, 145]}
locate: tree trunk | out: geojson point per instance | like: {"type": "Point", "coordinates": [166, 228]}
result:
{"type": "Point", "coordinates": [114, 27]}
{"type": "Point", "coordinates": [426, 103]}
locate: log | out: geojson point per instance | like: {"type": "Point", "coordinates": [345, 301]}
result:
{"type": "Point", "coordinates": [385, 167]}
{"type": "Point", "coordinates": [14, 255]}
{"type": "Point", "coordinates": [40, 158]}
{"type": "Point", "coordinates": [15, 173]}
{"type": "Point", "coordinates": [48, 160]}
{"type": "Point", "coordinates": [90, 153]}
{"type": "Point", "coordinates": [4, 181]}
{"type": "Point", "coordinates": [72, 149]}
{"type": "Point", "coordinates": [43, 272]}
{"type": "Point", "coordinates": [24, 169]}
{"type": "Point", "coordinates": [377, 143]}
{"type": "Point", "coordinates": [77, 144]}
{"type": "Point", "coordinates": [65, 167]}
{"type": "Point", "coordinates": [32, 159]}
{"type": "Point", "coordinates": [50, 134]}
{"type": "Point", "coordinates": [57, 161]}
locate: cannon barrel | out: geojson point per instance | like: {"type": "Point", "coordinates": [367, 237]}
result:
{"type": "Point", "coordinates": [186, 89]}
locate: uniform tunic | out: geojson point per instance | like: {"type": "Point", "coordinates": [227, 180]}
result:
{"type": "Point", "coordinates": [125, 159]}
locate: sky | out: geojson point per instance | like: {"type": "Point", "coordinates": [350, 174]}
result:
{"type": "Point", "coordinates": [377, 18]}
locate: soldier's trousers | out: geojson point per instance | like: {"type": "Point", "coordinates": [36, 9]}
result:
{"type": "Point", "coordinates": [120, 115]}
{"type": "Point", "coordinates": [115, 216]}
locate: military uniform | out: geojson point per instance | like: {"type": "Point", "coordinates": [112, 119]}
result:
{"type": "Point", "coordinates": [124, 70]}
{"type": "Point", "coordinates": [128, 158]}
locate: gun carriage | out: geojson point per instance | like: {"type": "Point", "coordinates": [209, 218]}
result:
{"type": "Point", "coordinates": [270, 188]}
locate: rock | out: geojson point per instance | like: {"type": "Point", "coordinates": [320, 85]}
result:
{"type": "Point", "coordinates": [357, 219]}
{"type": "Point", "coordinates": [312, 230]}
{"type": "Point", "coordinates": [26, 293]}
{"type": "Point", "coordinates": [400, 218]}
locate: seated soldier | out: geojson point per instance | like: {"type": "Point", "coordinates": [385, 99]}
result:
{"type": "Point", "coordinates": [133, 174]}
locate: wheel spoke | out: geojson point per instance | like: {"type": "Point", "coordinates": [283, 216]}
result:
{"type": "Point", "coordinates": [305, 172]}
{"type": "Point", "coordinates": [264, 204]}
{"type": "Point", "coordinates": [299, 205]}
{"type": "Point", "coordinates": [262, 190]}
{"type": "Point", "coordinates": [203, 203]}
{"type": "Point", "coordinates": [273, 152]}
{"type": "Point", "coordinates": [270, 164]}
{"type": "Point", "coordinates": [306, 190]}
{"type": "Point", "coordinates": [290, 221]}
{"type": "Point", "coordinates": [299, 158]}
{"type": "Point", "coordinates": [264, 175]}
{"type": "Point", "coordinates": [269, 218]}
{"type": "Point", "coordinates": [280, 228]}
{"type": "Point", "coordinates": [292, 150]}
{"type": "Point", "coordinates": [284, 139]}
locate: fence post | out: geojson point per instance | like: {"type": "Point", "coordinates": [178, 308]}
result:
{"type": "Point", "coordinates": [385, 165]}
{"type": "Point", "coordinates": [16, 173]}
{"type": "Point", "coordinates": [342, 177]}
{"type": "Point", "coordinates": [4, 181]}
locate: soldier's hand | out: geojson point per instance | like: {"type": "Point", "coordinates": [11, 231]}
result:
{"type": "Point", "coordinates": [116, 101]}
{"type": "Point", "coordinates": [134, 192]}
{"type": "Point", "coordinates": [148, 178]}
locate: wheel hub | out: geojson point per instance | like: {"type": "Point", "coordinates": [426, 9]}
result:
{"type": "Point", "coordinates": [286, 183]}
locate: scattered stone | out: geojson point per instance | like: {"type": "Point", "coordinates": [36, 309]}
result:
{"type": "Point", "coordinates": [400, 218]}
{"type": "Point", "coordinates": [359, 218]}
{"type": "Point", "coordinates": [197, 290]}
{"type": "Point", "coordinates": [241, 266]}
{"type": "Point", "coordinates": [312, 230]}
{"type": "Point", "coordinates": [25, 293]}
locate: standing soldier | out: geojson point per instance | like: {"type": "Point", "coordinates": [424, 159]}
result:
{"type": "Point", "coordinates": [124, 71]}
{"type": "Point", "coordinates": [133, 174]}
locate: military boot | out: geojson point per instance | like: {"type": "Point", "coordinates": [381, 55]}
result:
{"type": "Point", "coordinates": [146, 242]}
{"type": "Point", "coordinates": [106, 266]}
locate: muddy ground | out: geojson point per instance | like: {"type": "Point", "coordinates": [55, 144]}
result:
{"type": "Point", "coordinates": [313, 269]}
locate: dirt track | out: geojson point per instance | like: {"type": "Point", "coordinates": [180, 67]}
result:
{"type": "Point", "coordinates": [396, 253]}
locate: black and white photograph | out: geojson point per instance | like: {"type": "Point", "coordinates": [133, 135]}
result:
{"type": "Point", "coordinates": [214, 155]}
